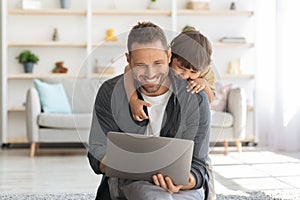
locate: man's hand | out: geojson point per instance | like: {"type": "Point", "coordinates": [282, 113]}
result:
{"type": "Point", "coordinates": [191, 184]}
{"type": "Point", "coordinates": [166, 183]}
{"type": "Point", "coordinates": [102, 164]}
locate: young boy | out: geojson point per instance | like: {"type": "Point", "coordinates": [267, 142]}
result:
{"type": "Point", "coordinates": [191, 59]}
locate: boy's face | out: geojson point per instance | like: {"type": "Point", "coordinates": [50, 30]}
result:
{"type": "Point", "coordinates": [183, 72]}
{"type": "Point", "coordinates": [149, 64]}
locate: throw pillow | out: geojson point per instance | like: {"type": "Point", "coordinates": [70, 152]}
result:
{"type": "Point", "coordinates": [220, 101]}
{"type": "Point", "coordinates": [53, 97]}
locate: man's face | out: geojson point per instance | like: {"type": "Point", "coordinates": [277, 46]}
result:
{"type": "Point", "coordinates": [149, 65]}
{"type": "Point", "coordinates": [183, 72]}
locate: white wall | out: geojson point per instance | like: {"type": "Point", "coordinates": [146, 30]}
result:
{"type": "Point", "coordinates": [265, 70]}
{"type": "Point", "coordinates": [278, 80]}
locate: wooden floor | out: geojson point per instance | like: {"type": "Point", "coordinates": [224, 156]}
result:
{"type": "Point", "coordinates": [51, 171]}
{"type": "Point", "coordinates": [68, 171]}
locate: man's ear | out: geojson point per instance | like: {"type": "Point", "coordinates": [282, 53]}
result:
{"type": "Point", "coordinates": [169, 54]}
{"type": "Point", "coordinates": [128, 59]}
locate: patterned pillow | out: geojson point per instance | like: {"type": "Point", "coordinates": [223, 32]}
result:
{"type": "Point", "coordinates": [220, 101]}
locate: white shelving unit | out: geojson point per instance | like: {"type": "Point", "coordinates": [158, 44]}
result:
{"type": "Point", "coordinates": [16, 109]}
{"type": "Point", "coordinates": [132, 12]}
{"type": "Point", "coordinates": [235, 13]}
{"type": "Point", "coordinates": [33, 76]}
{"type": "Point", "coordinates": [46, 12]}
{"type": "Point", "coordinates": [82, 30]}
{"type": "Point", "coordinates": [238, 76]}
{"type": "Point", "coordinates": [52, 75]}
{"type": "Point", "coordinates": [47, 44]}
{"type": "Point", "coordinates": [232, 44]}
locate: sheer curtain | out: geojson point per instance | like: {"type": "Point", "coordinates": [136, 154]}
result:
{"type": "Point", "coordinates": [278, 74]}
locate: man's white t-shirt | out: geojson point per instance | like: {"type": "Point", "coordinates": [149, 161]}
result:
{"type": "Point", "coordinates": [156, 112]}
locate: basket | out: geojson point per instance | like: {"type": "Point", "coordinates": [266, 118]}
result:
{"type": "Point", "coordinates": [197, 5]}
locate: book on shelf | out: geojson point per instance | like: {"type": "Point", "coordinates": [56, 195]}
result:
{"type": "Point", "coordinates": [198, 5]}
{"type": "Point", "coordinates": [233, 39]}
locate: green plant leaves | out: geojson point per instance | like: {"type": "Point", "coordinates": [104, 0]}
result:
{"type": "Point", "coordinates": [27, 56]}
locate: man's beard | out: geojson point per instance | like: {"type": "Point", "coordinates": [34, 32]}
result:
{"type": "Point", "coordinates": [151, 88]}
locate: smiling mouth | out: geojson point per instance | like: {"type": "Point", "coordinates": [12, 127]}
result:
{"type": "Point", "coordinates": [152, 80]}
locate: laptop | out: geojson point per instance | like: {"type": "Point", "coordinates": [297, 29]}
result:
{"type": "Point", "coordinates": [139, 157]}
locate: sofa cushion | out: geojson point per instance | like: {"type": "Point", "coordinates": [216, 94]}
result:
{"type": "Point", "coordinates": [81, 92]}
{"type": "Point", "coordinates": [221, 119]}
{"type": "Point", "coordinates": [65, 121]}
{"type": "Point", "coordinates": [53, 97]}
{"type": "Point", "coordinates": [220, 101]}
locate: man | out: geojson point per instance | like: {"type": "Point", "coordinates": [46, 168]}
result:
{"type": "Point", "coordinates": [174, 113]}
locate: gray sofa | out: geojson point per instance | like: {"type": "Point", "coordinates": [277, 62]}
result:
{"type": "Point", "coordinates": [61, 128]}
{"type": "Point", "coordinates": [230, 125]}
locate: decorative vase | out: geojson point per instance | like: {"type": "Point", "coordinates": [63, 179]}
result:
{"type": "Point", "coordinates": [110, 35]}
{"type": "Point", "coordinates": [55, 36]}
{"type": "Point", "coordinates": [232, 6]}
{"type": "Point", "coordinates": [65, 4]}
{"type": "Point", "coordinates": [198, 4]}
{"type": "Point", "coordinates": [28, 67]}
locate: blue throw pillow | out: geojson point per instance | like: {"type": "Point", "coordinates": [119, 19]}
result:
{"type": "Point", "coordinates": [53, 97]}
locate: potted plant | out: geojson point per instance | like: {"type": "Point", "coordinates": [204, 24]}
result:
{"type": "Point", "coordinates": [152, 4]}
{"type": "Point", "coordinates": [65, 4]}
{"type": "Point", "coordinates": [28, 59]}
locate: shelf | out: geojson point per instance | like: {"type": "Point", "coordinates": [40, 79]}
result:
{"type": "Point", "coordinates": [215, 44]}
{"type": "Point", "coordinates": [95, 75]}
{"type": "Point", "coordinates": [16, 109]}
{"type": "Point", "coordinates": [47, 12]}
{"type": "Point", "coordinates": [215, 12]}
{"type": "Point", "coordinates": [132, 12]}
{"type": "Point", "coordinates": [233, 44]}
{"type": "Point", "coordinates": [33, 75]}
{"type": "Point", "coordinates": [46, 44]}
{"type": "Point", "coordinates": [17, 140]}
{"type": "Point", "coordinates": [109, 44]}
{"type": "Point", "coordinates": [103, 76]}
{"type": "Point", "coordinates": [238, 76]}
{"type": "Point", "coordinates": [53, 75]}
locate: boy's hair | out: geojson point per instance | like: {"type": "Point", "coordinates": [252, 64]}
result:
{"type": "Point", "coordinates": [146, 32]}
{"type": "Point", "coordinates": [192, 49]}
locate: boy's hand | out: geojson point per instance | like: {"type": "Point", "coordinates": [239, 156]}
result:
{"type": "Point", "coordinates": [136, 107]}
{"type": "Point", "coordinates": [196, 85]}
